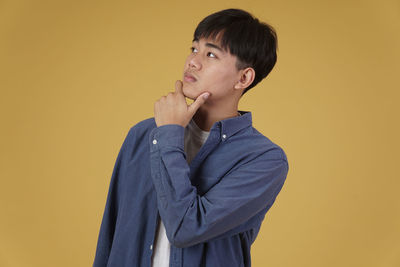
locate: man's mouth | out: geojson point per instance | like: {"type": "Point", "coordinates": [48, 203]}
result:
{"type": "Point", "coordinates": [189, 78]}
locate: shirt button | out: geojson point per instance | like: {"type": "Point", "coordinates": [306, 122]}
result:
{"type": "Point", "coordinates": [224, 136]}
{"type": "Point", "coordinates": [151, 247]}
{"type": "Point", "coordinates": [154, 141]}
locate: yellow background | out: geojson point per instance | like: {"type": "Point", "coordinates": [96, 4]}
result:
{"type": "Point", "coordinates": [75, 76]}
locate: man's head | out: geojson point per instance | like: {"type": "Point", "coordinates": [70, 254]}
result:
{"type": "Point", "coordinates": [251, 43]}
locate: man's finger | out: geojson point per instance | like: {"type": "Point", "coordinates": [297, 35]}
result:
{"type": "Point", "coordinates": [198, 102]}
{"type": "Point", "coordinates": [178, 87]}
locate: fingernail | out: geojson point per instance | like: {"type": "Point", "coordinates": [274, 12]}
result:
{"type": "Point", "coordinates": [206, 95]}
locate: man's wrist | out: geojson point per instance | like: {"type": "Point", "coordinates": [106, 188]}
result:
{"type": "Point", "coordinates": [167, 135]}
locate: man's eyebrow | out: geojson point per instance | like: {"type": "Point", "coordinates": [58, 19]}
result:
{"type": "Point", "coordinates": [212, 46]}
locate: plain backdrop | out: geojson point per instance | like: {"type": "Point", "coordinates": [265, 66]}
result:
{"type": "Point", "coordinates": [76, 75]}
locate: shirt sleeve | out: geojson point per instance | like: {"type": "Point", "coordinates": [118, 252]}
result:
{"type": "Point", "coordinates": [107, 228]}
{"type": "Point", "coordinates": [190, 218]}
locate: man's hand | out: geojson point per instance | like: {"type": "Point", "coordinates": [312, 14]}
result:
{"type": "Point", "coordinates": [173, 109]}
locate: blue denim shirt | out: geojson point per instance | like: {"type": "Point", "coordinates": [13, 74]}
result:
{"type": "Point", "coordinates": [212, 209]}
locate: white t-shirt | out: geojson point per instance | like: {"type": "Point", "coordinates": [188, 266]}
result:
{"type": "Point", "coordinates": [194, 139]}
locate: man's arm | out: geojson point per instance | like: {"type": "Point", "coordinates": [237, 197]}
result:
{"type": "Point", "coordinates": [190, 218]}
{"type": "Point", "coordinates": [108, 223]}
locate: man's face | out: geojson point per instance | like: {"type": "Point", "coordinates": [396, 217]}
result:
{"type": "Point", "coordinates": [209, 68]}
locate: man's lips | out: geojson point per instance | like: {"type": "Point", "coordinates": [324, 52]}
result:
{"type": "Point", "coordinates": [189, 77]}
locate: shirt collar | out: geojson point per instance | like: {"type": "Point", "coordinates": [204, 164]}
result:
{"type": "Point", "coordinates": [230, 126]}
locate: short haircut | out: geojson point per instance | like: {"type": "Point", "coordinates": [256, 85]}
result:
{"type": "Point", "coordinates": [254, 43]}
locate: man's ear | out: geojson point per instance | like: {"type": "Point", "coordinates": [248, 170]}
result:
{"type": "Point", "coordinates": [246, 77]}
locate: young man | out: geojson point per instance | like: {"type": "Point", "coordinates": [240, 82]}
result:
{"type": "Point", "coordinates": [191, 185]}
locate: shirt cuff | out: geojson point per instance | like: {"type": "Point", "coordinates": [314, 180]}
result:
{"type": "Point", "coordinates": [167, 135]}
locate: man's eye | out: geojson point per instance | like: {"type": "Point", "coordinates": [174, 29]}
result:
{"type": "Point", "coordinates": [209, 54]}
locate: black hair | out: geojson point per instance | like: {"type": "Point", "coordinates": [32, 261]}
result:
{"type": "Point", "coordinates": [254, 43]}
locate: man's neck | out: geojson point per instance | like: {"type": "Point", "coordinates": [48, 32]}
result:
{"type": "Point", "coordinates": [205, 118]}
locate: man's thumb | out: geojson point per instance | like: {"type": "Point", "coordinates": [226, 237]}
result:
{"type": "Point", "coordinates": [199, 101]}
{"type": "Point", "coordinates": [205, 95]}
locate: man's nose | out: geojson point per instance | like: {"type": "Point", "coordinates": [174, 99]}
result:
{"type": "Point", "coordinates": [195, 62]}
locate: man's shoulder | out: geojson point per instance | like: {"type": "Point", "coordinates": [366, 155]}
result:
{"type": "Point", "coordinates": [262, 144]}
{"type": "Point", "coordinates": [140, 129]}
{"type": "Point", "coordinates": [144, 125]}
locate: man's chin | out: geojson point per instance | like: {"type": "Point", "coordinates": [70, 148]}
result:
{"type": "Point", "coordinates": [191, 98]}
{"type": "Point", "coordinates": [188, 94]}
